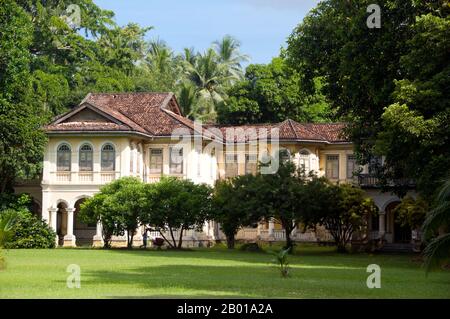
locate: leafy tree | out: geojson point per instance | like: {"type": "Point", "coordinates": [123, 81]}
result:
{"type": "Point", "coordinates": [230, 204]}
{"type": "Point", "coordinates": [176, 205]}
{"type": "Point", "coordinates": [421, 110]}
{"type": "Point", "coordinates": [117, 206]}
{"type": "Point", "coordinates": [411, 212]}
{"type": "Point", "coordinates": [94, 210]}
{"type": "Point", "coordinates": [21, 139]}
{"type": "Point", "coordinates": [279, 196]}
{"type": "Point", "coordinates": [271, 93]}
{"type": "Point", "coordinates": [126, 199]}
{"type": "Point", "coordinates": [381, 79]}
{"type": "Point", "coordinates": [436, 229]}
{"type": "Point", "coordinates": [344, 211]}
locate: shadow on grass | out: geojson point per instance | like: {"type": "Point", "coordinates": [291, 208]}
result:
{"type": "Point", "coordinates": [197, 281]}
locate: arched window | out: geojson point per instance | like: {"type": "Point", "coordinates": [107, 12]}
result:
{"type": "Point", "coordinates": [108, 158]}
{"type": "Point", "coordinates": [63, 158]}
{"type": "Point", "coordinates": [285, 155]}
{"type": "Point", "coordinates": [304, 161]}
{"type": "Point", "coordinates": [85, 162]}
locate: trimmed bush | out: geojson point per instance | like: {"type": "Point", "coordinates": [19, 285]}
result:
{"type": "Point", "coordinates": [30, 232]}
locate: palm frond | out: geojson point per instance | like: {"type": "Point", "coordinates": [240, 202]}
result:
{"type": "Point", "coordinates": [437, 250]}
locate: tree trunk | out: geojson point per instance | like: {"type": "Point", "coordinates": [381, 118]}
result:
{"type": "Point", "coordinates": [289, 243]}
{"type": "Point", "coordinates": [180, 239]}
{"type": "Point", "coordinates": [130, 235]}
{"type": "Point", "coordinates": [230, 241]}
{"type": "Point", "coordinates": [288, 227]}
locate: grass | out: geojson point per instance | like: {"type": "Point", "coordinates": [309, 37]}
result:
{"type": "Point", "coordinates": [316, 272]}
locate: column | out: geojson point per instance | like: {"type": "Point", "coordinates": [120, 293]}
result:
{"type": "Point", "coordinates": [382, 224]}
{"type": "Point", "coordinates": [137, 239]}
{"type": "Point", "coordinates": [258, 231]}
{"type": "Point", "coordinates": [69, 239]}
{"type": "Point", "coordinates": [52, 214]}
{"type": "Point", "coordinates": [98, 237]}
{"type": "Point", "coordinates": [271, 227]}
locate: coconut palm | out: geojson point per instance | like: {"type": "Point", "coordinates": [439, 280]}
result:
{"type": "Point", "coordinates": [160, 56]}
{"type": "Point", "coordinates": [209, 76]}
{"type": "Point", "coordinates": [228, 51]}
{"type": "Point", "coordinates": [438, 221]}
{"type": "Point", "coordinates": [187, 98]}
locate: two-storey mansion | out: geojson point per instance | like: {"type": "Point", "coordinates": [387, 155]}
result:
{"type": "Point", "coordinates": [108, 136]}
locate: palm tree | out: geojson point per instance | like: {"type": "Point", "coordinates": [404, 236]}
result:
{"type": "Point", "coordinates": [228, 51]}
{"type": "Point", "coordinates": [209, 76]}
{"type": "Point", "coordinates": [187, 98]}
{"type": "Point", "coordinates": [160, 56]}
{"type": "Point", "coordinates": [438, 221]}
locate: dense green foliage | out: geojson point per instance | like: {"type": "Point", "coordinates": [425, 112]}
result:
{"type": "Point", "coordinates": [19, 228]}
{"type": "Point", "coordinates": [411, 212]}
{"type": "Point", "coordinates": [272, 93]}
{"type": "Point", "coordinates": [117, 206]}
{"type": "Point", "coordinates": [388, 82]}
{"type": "Point", "coordinates": [21, 140]}
{"type": "Point", "coordinates": [29, 231]}
{"type": "Point", "coordinates": [171, 205]}
{"type": "Point", "coordinates": [232, 205]}
{"type": "Point", "coordinates": [345, 212]}
{"type": "Point", "coordinates": [292, 198]}
{"type": "Point", "coordinates": [176, 205]}
{"type": "Point", "coordinates": [436, 229]}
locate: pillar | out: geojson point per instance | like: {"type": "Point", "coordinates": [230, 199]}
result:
{"type": "Point", "coordinates": [69, 238]}
{"type": "Point", "coordinates": [98, 237]}
{"type": "Point", "coordinates": [271, 227]}
{"type": "Point", "coordinates": [382, 224]}
{"type": "Point", "coordinates": [137, 239]}
{"type": "Point", "coordinates": [52, 214]}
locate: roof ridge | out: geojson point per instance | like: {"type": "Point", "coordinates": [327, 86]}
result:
{"type": "Point", "coordinates": [129, 93]}
{"type": "Point", "coordinates": [292, 127]}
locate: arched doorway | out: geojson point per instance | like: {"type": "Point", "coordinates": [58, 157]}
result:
{"type": "Point", "coordinates": [400, 233]}
{"type": "Point", "coordinates": [61, 222]}
{"type": "Point", "coordinates": [84, 233]}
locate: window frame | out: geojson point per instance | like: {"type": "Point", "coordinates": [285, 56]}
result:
{"type": "Point", "coordinates": [247, 162]}
{"type": "Point", "coordinates": [112, 160]}
{"type": "Point", "coordinates": [59, 167]}
{"type": "Point", "coordinates": [172, 165]}
{"type": "Point", "coordinates": [86, 168]}
{"type": "Point", "coordinates": [161, 155]}
{"type": "Point", "coordinates": [351, 176]}
{"type": "Point", "coordinates": [304, 155]}
{"type": "Point", "coordinates": [329, 162]}
{"type": "Point", "coordinates": [235, 164]}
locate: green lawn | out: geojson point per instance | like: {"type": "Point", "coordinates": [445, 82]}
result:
{"type": "Point", "coordinates": [316, 273]}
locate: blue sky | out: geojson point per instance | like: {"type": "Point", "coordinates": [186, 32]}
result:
{"type": "Point", "coordinates": [262, 26]}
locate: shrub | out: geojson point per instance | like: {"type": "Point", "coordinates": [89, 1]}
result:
{"type": "Point", "coordinates": [30, 232]}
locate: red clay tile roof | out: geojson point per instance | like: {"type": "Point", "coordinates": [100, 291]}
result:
{"type": "Point", "coordinates": [87, 126]}
{"type": "Point", "coordinates": [287, 130]}
{"type": "Point", "coordinates": [158, 114]}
